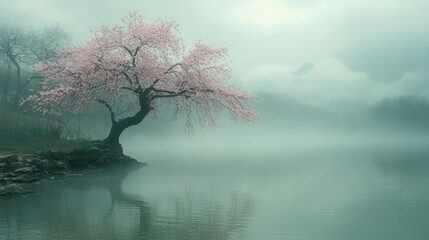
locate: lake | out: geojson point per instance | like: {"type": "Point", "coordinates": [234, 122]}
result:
{"type": "Point", "coordinates": [320, 193]}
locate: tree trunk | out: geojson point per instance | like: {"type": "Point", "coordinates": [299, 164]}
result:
{"type": "Point", "coordinates": [112, 140]}
{"type": "Point", "coordinates": [17, 97]}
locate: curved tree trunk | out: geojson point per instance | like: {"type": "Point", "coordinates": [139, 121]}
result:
{"type": "Point", "coordinates": [112, 140]}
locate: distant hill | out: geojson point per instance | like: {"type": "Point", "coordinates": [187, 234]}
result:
{"type": "Point", "coordinates": [286, 110]}
{"type": "Point", "coordinates": [411, 112]}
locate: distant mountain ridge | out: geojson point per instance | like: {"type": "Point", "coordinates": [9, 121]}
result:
{"type": "Point", "coordinates": [283, 109]}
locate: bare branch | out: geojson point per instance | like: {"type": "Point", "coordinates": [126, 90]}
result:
{"type": "Point", "coordinates": [128, 88]}
{"type": "Point", "coordinates": [105, 104]}
{"type": "Point", "coordinates": [162, 91]}
{"type": "Point", "coordinates": [170, 95]}
{"type": "Point", "coordinates": [171, 68]}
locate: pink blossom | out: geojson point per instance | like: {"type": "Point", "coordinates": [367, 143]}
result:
{"type": "Point", "coordinates": [120, 64]}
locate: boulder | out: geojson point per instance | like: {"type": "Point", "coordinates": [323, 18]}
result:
{"type": "Point", "coordinates": [77, 151]}
{"type": "Point", "coordinates": [94, 153]}
{"type": "Point", "coordinates": [24, 170]}
{"type": "Point", "coordinates": [39, 152]}
{"type": "Point", "coordinates": [78, 162]}
{"type": "Point", "coordinates": [104, 160]}
{"type": "Point", "coordinates": [15, 165]}
{"type": "Point", "coordinates": [9, 159]}
{"type": "Point", "coordinates": [12, 190]}
{"type": "Point", "coordinates": [27, 178]}
{"type": "Point", "coordinates": [53, 166]}
{"type": "Point", "coordinates": [57, 154]}
{"type": "Point", "coordinates": [27, 158]}
{"type": "Point", "coordinates": [10, 175]}
{"type": "Point", "coordinates": [39, 164]}
{"type": "Point", "coordinates": [3, 166]}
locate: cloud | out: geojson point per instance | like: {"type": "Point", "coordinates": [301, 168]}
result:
{"type": "Point", "coordinates": [326, 81]}
{"type": "Point", "coordinates": [382, 38]}
{"type": "Point", "coordinates": [264, 14]}
{"type": "Point", "coordinates": [330, 81]}
{"type": "Point", "coordinates": [411, 83]}
{"type": "Point", "coordinates": [304, 69]}
{"type": "Point", "coordinates": [29, 12]}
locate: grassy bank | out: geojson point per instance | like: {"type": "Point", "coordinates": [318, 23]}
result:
{"type": "Point", "coordinates": [24, 125]}
{"type": "Point", "coordinates": [30, 145]}
{"type": "Point", "coordinates": [26, 133]}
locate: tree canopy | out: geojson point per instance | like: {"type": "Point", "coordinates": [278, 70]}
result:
{"type": "Point", "coordinates": [136, 67]}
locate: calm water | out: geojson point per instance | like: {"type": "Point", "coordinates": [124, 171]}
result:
{"type": "Point", "coordinates": [303, 194]}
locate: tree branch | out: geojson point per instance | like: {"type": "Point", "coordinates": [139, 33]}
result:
{"type": "Point", "coordinates": [171, 68]}
{"type": "Point", "coordinates": [157, 80]}
{"type": "Point", "coordinates": [128, 78]}
{"type": "Point", "coordinates": [162, 91]}
{"type": "Point", "coordinates": [133, 55]}
{"type": "Point", "coordinates": [105, 104]}
{"type": "Point", "coordinates": [128, 50]}
{"type": "Point", "coordinates": [31, 78]}
{"type": "Point", "coordinates": [170, 95]}
{"type": "Point", "coordinates": [128, 88]}
{"type": "Point", "coordinates": [176, 94]}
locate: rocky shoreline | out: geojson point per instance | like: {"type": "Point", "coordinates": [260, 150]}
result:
{"type": "Point", "coordinates": [19, 172]}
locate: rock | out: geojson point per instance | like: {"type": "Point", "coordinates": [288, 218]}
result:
{"type": "Point", "coordinates": [28, 178]}
{"type": "Point", "coordinates": [57, 154]}
{"type": "Point", "coordinates": [12, 190]}
{"type": "Point", "coordinates": [77, 151]}
{"type": "Point", "coordinates": [15, 165]}
{"type": "Point", "coordinates": [94, 153]}
{"type": "Point", "coordinates": [10, 175]}
{"type": "Point", "coordinates": [78, 162]}
{"type": "Point", "coordinates": [39, 164]}
{"type": "Point", "coordinates": [95, 149]}
{"type": "Point", "coordinates": [104, 160]}
{"type": "Point", "coordinates": [39, 152]}
{"type": "Point", "coordinates": [27, 158]}
{"type": "Point", "coordinates": [53, 166]}
{"type": "Point", "coordinates": [9, 159]}
{"type": "Point", "coordinates": [3, 166]}
{"type": "Point", "coordinates": [24, 170]}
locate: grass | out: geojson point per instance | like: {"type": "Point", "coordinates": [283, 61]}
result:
{"type": "Point", "coordinates": [31, 145]}
{"type": "Point", "coordinates": [22, 125]}
{"type": "Point", "coordinates": [26, 133]}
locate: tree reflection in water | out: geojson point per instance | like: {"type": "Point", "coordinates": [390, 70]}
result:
{"type": "Point", "coordinates": [96, 207]}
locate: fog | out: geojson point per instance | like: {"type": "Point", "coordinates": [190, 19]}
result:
{"type": "Point", "coordinates": [317, 68]}
{"type": "Point", "coordinates": [339, 151]}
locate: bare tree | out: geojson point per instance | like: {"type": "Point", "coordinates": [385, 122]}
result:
{"type": "Point", "coordinates": [5, 79]}
{"type": "Point", "coordinates": [13, 48]}
{"type": "Point", "coordinates": [46, 41]}
{"type": "Point", "coordinates": [22, 50]}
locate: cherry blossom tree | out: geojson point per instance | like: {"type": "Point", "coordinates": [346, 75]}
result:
{"type": "Point", "coordinates": [135, 68]}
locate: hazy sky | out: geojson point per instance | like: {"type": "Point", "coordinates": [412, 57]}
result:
{"type": "Point", "coordinates": [353, 49]}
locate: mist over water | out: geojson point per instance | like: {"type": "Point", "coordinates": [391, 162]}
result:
{"type": "Point", "coordinates": [240, 183]}
{"type": "Point", "coordinates": [341, 151]}
{"type": "Point", "coordinates": [302, 172]}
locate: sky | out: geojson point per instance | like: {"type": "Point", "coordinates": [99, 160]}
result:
{"type": "Point", "coordinates": [320, 52]}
